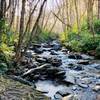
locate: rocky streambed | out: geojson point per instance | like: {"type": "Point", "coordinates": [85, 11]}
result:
{"type": "Point", "coordinates": [61, 74]}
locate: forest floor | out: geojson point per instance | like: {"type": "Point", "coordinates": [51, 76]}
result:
{"type": "Point", "coordinates": [14, 90]}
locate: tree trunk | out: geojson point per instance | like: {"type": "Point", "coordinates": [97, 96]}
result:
{"type": "Point", "coordinates": [35, 26]}
{"type": "Point", "coordinates": [98, 9]}
{"type": "Point", "coordinates": [2, 8]}
{"type": "Point", "coordinates": [77, 15]}
{"type": "Point", "coordinates": [67, 13]}
{"type": "Point", "coordinates": [2, 15]}
{"type": "Point", "coordinates": [13, 9]}
{"type": "Point", "coordinates": [90, 16]}
{"type": "Point", "coordinates": [21, 32]}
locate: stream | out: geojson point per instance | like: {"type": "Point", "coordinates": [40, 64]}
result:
{"type": "Point", "coordinates": [63, 75]}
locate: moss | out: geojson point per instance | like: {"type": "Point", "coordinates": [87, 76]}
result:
{"type": "Point", "coordinates": [12, 90]}
{"type": "Point", "coordinates": [98, 52]}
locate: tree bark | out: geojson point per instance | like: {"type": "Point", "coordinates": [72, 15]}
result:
{"type": "Point", "coordinates": [21, 32]}
{"type": "Point", "coordinates": [2, 8]}
{"type": "Point", "coordinates": [77, 15]}
{"type": "Point", "coordinates": [90, 16]}
{"type": "Point", "coordinates": [98, 9]}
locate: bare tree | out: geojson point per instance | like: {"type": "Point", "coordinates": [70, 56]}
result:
{"type": "Point", "coordinates": [21, 32]}
{"type": "Point", "coordinates": [77, 15]}
{"type": "Point", "coordinates": [98, 9]}
{"type": "Point", "coordinates": [35, 26]}
{"type": "Point", "coordinates": [2, 8]}
{"type": "Point", "coordinates": [13, 9]}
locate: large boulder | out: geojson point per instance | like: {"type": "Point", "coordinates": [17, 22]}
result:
{"type": "Point", "coordinates": [55, 73]}
{"type": "Point", "coordinates": [98, 52]}
{"type": "Point", "coordinates": [55, 61]}
{"type": "Point", "coordinates": [74, 56]}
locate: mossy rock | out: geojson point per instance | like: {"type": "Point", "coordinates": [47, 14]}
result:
{"type": "Point", "coordinates": [98, 52]}
{"type": "Point", "coordinates": [13, 90]}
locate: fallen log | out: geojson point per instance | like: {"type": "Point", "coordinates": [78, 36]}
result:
{"type": "Point", "coordinates": [35, 69]}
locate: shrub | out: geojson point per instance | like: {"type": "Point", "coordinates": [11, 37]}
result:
{"type": "Point", "coordinates": [75, 45]}
{"type": "Point", "coordinates": [44, 36]}
{"type": "Point", "coordinates": [83, 42]}
{"type": "Point", "coordinates": [97, 26]}
{"type": "Point", "coordinates": [88, 44]}
{"type": "Point", "coordinates": [3, 67]}
{"type": "Point", "coordinates": [3, 63]}
{"type": "Point", "coordinates": [98, 52]}
{"type": "Point", "coordinates": [7, 39]}
{"type": "Point", "coordinates": [73, 36]}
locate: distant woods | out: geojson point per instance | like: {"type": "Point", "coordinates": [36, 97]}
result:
{"type": "Point", "coordinates": [26, 17]}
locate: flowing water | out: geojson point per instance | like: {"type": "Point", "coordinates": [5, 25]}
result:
{"type": "Point", "coordinates": [84, 77]}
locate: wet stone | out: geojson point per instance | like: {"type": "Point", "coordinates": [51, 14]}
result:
{"type": "Point", "coordinates": [44, 77]}
{"type": "Point", "coordinates": [57, 97]}
{"type": "Point", "coordinates": [69, 97]}
{"type": "Point", "coordinates": [64, 92]}
{"type": "Point", "coordinates": [83, 62]}
{"type": "Point", "coordinates": [40, 60]}
{"type": "Point", "coordinates": [37, 45]}
{"type": "Point", "coordinates": [38, 50]}
{"type": "Point", "coordinates": [55, 45]}
{"type": "Point", "coordinates": [64, 50]}
{"type": "Point", "coordinates": [29, 53]}
{"type": "Point", "coordinates": [61, 73]}
{"type": "Point", "coordinates": [53, 52]}
{"type": "Point", "coordinates": [55, 61]}
{"type": "Point", "coordinates": [87, 95]}
{"type": "Point", "coordinates": [87, 57]}
{"type": "Point", "coordinates": [76, 67]}
{"type": "Point", "coordinates": [74, 56]}
{"type": "Point", "coordinates": [36, 77]}
{"type": "Point", "coordinates": [69, 80]}
{"type": "Point", "coordinates": [96, 88]}
{"type": "Point", "coordinates": [83, 85]}
{"type": "Point", "coordinates": [97, 67]}
{"type": "Point", "coordinates": [53, 70]}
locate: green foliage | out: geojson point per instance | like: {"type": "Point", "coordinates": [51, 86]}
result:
{"type": "Point", "coordinates": [2, 24]}
{"type": "Point", "coordinates": [7, 40]}
{"type": "Point", "coordinates": [7, 50]}
{"type": "Point", "coordinates": [3, 63]}
{"type": "Point", "coordinates": [3, 67]}
{"type": "Point", "coordinates": [74, 44]}
{"type": "Point", "coordinates": [98, 52]}
{"type": "Point", "coordinates": [88, 44]}
{"type": "Point", "coordinates": [73, 36]}
{"type": "Point", "coordinates": [83, 42]}
{"type": "Point", "coordinates": [97, 26]}
{"type": "Point", "coordinates": [63, 37]}
{"type": "Point", "coordinates": [44, 36]}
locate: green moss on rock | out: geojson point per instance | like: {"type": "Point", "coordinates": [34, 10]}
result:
{"type": "Point", "coordinates": [98, 52]}
{"type": "Point", "coordinates": [13, 90]}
